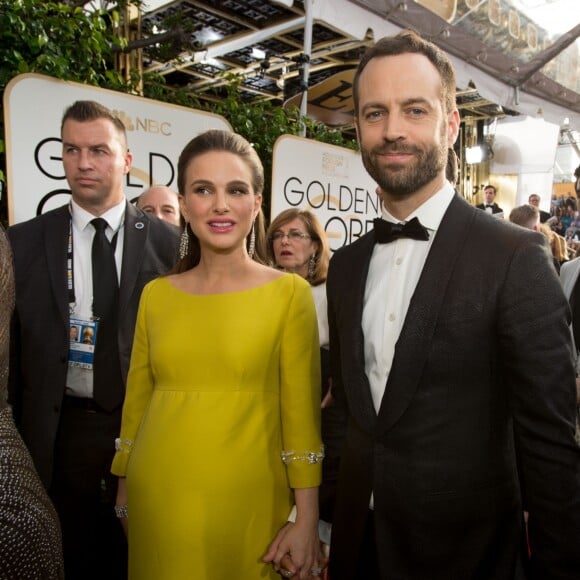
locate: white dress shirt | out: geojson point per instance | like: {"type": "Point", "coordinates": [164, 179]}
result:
{"type": "Point", "coordinates": [79, 381]}
{"type": "Point", "coordinates": [393, 274]}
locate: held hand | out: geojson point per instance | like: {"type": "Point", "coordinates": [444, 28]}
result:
{"type": "Point", "coordinates": [296, 552]}
{"type": "Point", "coordinates": [120, 502]}
{"type": "Point", "coordinates": [275, 553]}
{"type": "Point", "coordinates": [328, 399]}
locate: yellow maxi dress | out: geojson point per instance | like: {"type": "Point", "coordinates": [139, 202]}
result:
{"type": "Point", "coordinates": [221, 419]}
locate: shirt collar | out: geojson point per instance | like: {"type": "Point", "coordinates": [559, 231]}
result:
{"type": "Point", "coordinates": [431, 212]}
{"type": "Point", "coordinates": [114, 216]}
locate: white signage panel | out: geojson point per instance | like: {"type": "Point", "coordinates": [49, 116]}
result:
{"type": "Point", "coordinates": [33, 108]}
{"type": "Point", "coordinates": [328, 180]}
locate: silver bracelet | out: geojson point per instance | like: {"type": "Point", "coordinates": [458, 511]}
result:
{"type": "Point", "coordinates": [121, 511]}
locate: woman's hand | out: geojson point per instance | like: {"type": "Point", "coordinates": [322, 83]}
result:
{"type": "Point", "coordinates": [296, 552]}
{"type": "Point", "coordinates": [122, 501]}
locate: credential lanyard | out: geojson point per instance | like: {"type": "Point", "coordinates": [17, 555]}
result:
{"type": "Point", "coordinates": [70, 265]}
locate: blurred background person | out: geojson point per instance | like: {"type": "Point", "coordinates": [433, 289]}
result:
{"type": "Point", "coordinates": [297, 243]}
{"type": "Point", "coordinates": [162, 202]}
{"type": "Point", "coordinates": [489, 205]}
{"type": "Point", "coordinates": [557, 244]}
{"type": "Point", "coordinates": [534, 200]}
{"type": "Point", "coordinates": [30, 543]}
{"type": "Point", "coordinates": [526, 216]}
{"type": "Point", "coordinates": [220, 429]}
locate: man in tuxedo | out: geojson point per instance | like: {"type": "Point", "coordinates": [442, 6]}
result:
{"type": "Point", "coordinates": [489, 193]}
{"type": "Point", "coordinates": [451, 361]}
{"type": "Point", "coordinates": [74, 270]}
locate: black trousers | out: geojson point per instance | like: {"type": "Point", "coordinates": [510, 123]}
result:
{"type": "Point", "coordinates": [83, 491]}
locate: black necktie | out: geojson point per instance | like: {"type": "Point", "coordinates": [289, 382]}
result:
{"type": "Point", "coordinates": [107, 381]}
{"type": "Point", "coordinates": [386, 232]}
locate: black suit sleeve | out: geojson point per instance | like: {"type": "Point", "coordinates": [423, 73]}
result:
{"type": "Point", "coordinates": [334, 419]}
{"type": "Point", "coordinates": [535, 342]}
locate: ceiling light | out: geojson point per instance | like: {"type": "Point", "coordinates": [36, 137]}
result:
{"type": "Point", "coordinates": [258, 53]}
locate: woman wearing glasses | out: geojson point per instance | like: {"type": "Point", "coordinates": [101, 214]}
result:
{"type": "Point", "coordinates": [297, 243]}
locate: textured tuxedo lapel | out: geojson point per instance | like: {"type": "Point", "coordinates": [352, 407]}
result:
{"type": "Point", "coordinates": [56, 233]}
{"type": "Point", "coordinates": [135, 238]}
{"type": "Point", "coordinates": [351, 278]}
{"type": "Point", "coordinates": [414, 341]}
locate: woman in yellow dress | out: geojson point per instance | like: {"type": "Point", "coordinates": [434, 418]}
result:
{"type": "Point", "coordinates": [221, 429]}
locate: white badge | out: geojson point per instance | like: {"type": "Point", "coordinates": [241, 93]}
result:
{"type": "Point", "coordinates": [83, 336]}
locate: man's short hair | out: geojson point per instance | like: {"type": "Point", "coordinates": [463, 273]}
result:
{"type": "Point", "coordinates": [85, 111]}
{"type": "Point", "coordinates": [406, 42]}
{"type": "Point", "coordinates": [526, 215]}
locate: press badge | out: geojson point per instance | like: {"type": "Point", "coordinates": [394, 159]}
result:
{"type": "Point", "coordinates": [82, 339]}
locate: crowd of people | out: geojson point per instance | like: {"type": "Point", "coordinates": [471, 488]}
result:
{"type": "Point", "coordinates": [251, 408]}
{"type": "Point", "coordinates": [561, 225]}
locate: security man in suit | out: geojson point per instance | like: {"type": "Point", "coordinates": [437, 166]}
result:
{"type": "Point", "coordinates": [84, 265]}
{"type": "Point", "coordinates": [453, 383]}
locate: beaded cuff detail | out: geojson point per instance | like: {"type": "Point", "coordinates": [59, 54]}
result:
{"type": "Point", "coordinates": [123, 445]}
{"type": "Point", "coordinates": [310, 457]}
{"type": "Point", "coordinates": [121, 511]}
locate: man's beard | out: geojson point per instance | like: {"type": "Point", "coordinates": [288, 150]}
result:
{"type": "Point", "coordinates": [411, 177]}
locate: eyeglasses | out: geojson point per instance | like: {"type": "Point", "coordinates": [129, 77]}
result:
{"type": "Point", "coordinates": [292, 236]}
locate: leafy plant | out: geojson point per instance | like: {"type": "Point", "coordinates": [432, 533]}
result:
{"type": "Point", "coordinates": [58, 40]}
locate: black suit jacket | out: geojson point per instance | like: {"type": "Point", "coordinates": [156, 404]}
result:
{"type": "Point", "coordinates": [40, 333]}
{"type": "Point", "coordinates": [484, 353]}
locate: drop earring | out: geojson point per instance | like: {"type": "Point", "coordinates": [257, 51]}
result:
{"type": "Point", "coordinates": [312, 266]}
{"type": "Point", "coordinates": [184, 242]}
{"type": "Point", "coordinates": [252, 244]}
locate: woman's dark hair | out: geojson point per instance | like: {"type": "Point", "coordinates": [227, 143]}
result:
{"type": "Point", "coordinates": [218, 140]}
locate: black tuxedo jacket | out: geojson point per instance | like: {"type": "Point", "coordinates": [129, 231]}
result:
{"type": "Point", "coordinates": [481, 387]}
{"type": "Point", "coordinates": [40, 330]}
{"type": "Point", "coordinates": [494, 209]}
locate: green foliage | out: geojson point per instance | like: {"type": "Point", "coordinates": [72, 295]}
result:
{"type": "Point", "coordinates": [59, 40]}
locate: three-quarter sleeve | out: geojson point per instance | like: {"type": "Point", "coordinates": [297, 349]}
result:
{"type": "Point", "coordinates": [300, 390]}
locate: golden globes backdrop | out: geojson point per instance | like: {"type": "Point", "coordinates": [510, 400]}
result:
{"type": "Point", "coordinates": [328, 180]}
{"type": "Point", "coordinates": [33, 109]}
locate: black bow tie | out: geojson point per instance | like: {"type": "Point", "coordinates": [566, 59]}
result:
{"type": "Point", "coordinates": [489, 205]}
{"type": "Point", "coordinates": [386, 232]}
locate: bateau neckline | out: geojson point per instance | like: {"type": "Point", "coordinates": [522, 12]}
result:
{"type": "Point", "coordinates": [180, 291]}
